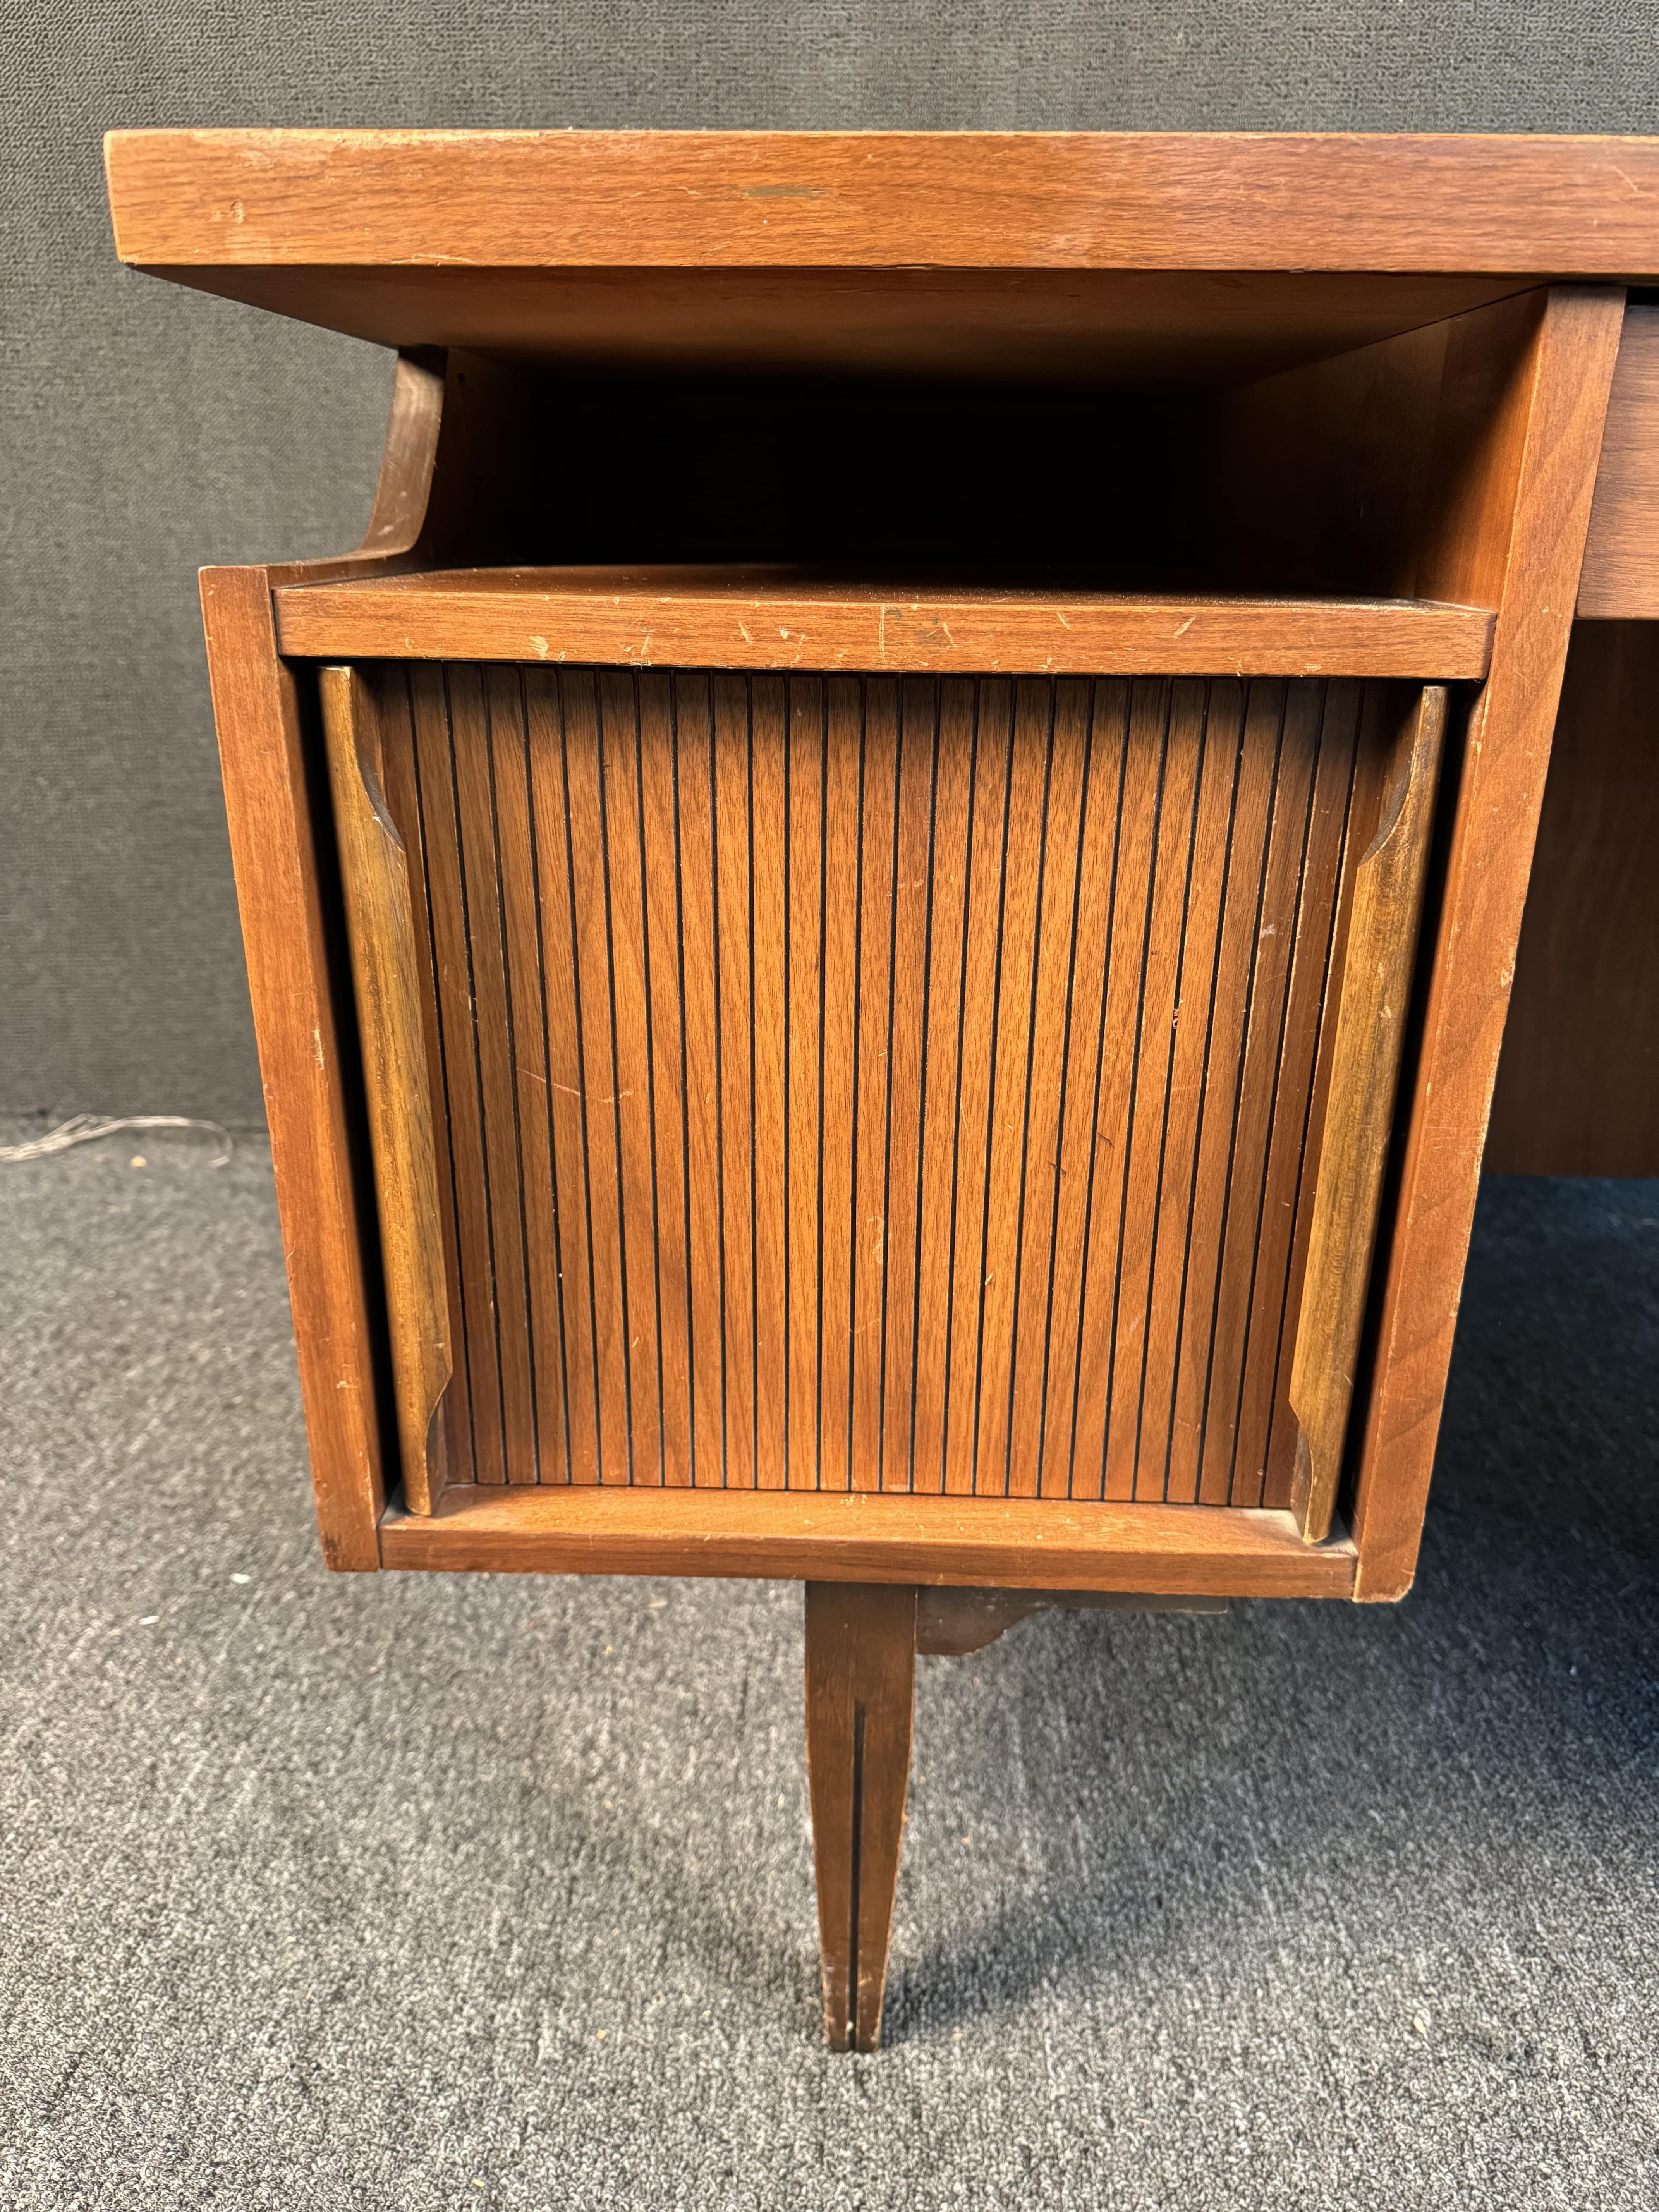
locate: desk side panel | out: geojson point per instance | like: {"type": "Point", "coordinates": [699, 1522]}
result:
{"type": "Point", "coordinates": [304, 1052]}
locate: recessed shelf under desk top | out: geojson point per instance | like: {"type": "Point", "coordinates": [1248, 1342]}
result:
{"type": "Point", "coordinates": [779, 618]}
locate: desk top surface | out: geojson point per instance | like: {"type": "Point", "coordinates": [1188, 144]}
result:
{"type": "Point", "coordinates": [1006, 253]}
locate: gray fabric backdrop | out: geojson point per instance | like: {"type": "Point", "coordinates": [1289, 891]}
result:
{"type": "Point", "coordinates": [148, 430]}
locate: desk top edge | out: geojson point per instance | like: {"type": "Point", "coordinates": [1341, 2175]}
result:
{"type": "Point", "coordinates": [1325, 203]}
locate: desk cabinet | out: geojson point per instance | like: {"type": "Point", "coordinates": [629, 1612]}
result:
{"type": "Point", "coordinates": [880, 909]}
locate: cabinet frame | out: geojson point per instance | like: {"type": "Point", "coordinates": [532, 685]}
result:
{"type": "Point", "coordinates": [1504, 401]}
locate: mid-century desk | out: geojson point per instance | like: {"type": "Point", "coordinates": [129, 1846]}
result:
{"type": "Point", "coordinates": [881, 907]}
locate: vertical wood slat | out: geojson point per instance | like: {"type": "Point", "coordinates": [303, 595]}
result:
{"type": "Point", "coordinates": [537, 1183]}
{"type": "Point", "coordinates": [856, 1085]}
{"type": "Point", "coordinates": [805, 768]}
{"type": "Point", "coordinates": [559, 1065]}
{"type": "Point", "coordinates": [907, 1097]}
{"type": "Point", "coordinates": [472, 764]}
{"type": "Point", "coordinates": [733, 979]}
{"type": "Point", "coordinates": [631, 1062]}
{"type": "Point", "coordinates": [594, 1078]}
{"type": "Point", "coordinates": [971, 1133]}
{"type": "Point", "coordinates": [694, 861]}
{"type": "Point", "coordinates": [395, 712]}
{"type": "Point", "coordinates": [1009, 1050]}
{"type": "Point", "coordinates": [665, 1049]}
{"type": "Point", "coordinates": [872, 995]}
{"type": "Point", "coordinates": [768, 891]}
{"type": "Point", "coordinates": [843, 743]}
{"type": "Point", "coordinates": [955, 743]}
{"type": "Point", "coordinates": [457, 1021]}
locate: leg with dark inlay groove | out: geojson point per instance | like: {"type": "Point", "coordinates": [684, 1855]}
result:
{"type": "Point", "coordinates": [860, 1679]}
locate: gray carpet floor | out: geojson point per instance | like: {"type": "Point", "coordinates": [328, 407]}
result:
{"type": "Point", "coordinates": [387, 1891]}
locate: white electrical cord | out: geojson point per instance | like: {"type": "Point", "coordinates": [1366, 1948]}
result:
{"type": "Point", "coordinates": [86, 1129]}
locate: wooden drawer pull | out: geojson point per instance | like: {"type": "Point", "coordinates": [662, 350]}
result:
{"type": "Point", "coordinates": [1376, 991]}
{"type": "Point", "coordinates": [381, 924]}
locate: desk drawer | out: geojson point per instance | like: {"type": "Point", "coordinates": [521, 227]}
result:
{"type": "Point", "coordinates": [827, 1083]}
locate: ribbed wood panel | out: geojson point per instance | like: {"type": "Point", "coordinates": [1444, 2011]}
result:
{"type": "Point", "coordinates": [848, 1083]}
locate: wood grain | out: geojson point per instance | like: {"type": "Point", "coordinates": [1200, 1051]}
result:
{"type": "Point", "coordinates": [1014, 1209]}
{"type": "Point", "coordinates": [1352, 1144]}
{"type": "Point", "coordinates": [1578, 1084]}
{"type": "Point", "coordinates": [1219, 201]}
{"type": "Point", "coordinates": [1619, 578]}
{"type": "Point", "coordinates": [391, 1030]}
{"type": "Point", "coordinates": [1513, 539]}
{"type": "Point", "coordinates": [1034, 1543]}
{"type": "Point", "coordinates": [860, 1687]}
{"type": "Point", "coordinates": [784, 619]}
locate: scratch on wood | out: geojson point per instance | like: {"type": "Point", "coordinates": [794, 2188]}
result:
{"type": "Point", "coordinates": [570, 1092]}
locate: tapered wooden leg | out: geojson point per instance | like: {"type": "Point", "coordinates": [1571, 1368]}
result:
{"type": "Point", "coordinates": [861, 1681]}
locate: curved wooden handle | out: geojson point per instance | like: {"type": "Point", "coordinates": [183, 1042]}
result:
{"type": "Point", "coordinates": [1375, 988]}
{"type": "Point", "coordinates": [381, 924]}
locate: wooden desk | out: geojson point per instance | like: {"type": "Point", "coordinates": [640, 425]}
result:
{"type": "Point", "coordinates": [881, 907]}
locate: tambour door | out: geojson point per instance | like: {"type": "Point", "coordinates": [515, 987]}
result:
{"type": "Point", "coordinates": [975, 1085]}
